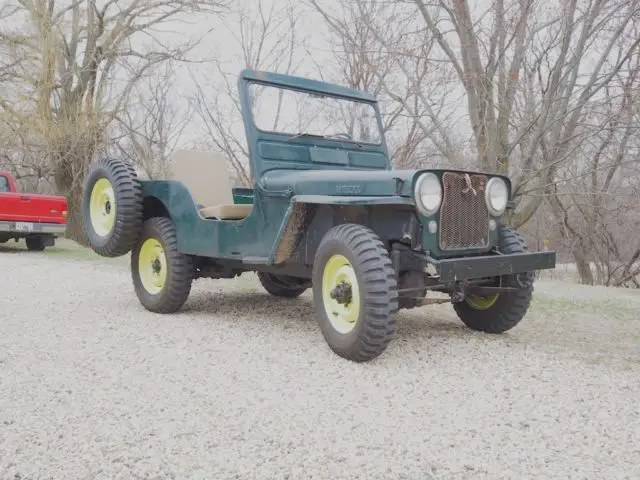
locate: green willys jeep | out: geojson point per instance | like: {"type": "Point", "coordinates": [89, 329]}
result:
{"type": "Point", "coordinates": [326, 211]}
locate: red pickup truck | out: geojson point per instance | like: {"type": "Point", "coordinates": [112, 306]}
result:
{"type": "Point", "coordinates": [39, 219]}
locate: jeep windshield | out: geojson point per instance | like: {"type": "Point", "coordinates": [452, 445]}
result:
{"type": "Point", "coordinates": [314, 115]}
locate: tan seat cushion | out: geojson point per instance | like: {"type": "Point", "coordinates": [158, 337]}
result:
{"type": "Point", "coordinates": [226, 212]}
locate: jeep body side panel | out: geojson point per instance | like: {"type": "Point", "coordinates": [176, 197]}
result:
{"type": "Point", "coordinates": [249, 240]}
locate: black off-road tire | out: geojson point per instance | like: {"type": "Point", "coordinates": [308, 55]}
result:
{"type": "Point", "coordinates": [282, 285]}
{"type": "Point", "coordinates": [510, 307]}
{"type": "Point", "coordinates": [128, 208]}
{"type": "Point", "coordinates": [180, 270]}
{"type": "Point", "coordinates": [376, 324]}
{"type": "Point", "coordinates": [35, 244]}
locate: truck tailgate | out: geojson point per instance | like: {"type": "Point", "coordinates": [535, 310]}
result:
{"type": "Point", "coordinates": [33, 208]}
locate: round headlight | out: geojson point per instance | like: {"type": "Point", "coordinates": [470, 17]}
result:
{"type": "Point", "coordinates": [428, 193]}
{"type": "Point", "coordinates": [497, 196]}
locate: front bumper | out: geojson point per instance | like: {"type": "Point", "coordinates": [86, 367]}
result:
{"type": "Point", "coordinates": [29, 228]}
{"type": "Point", "coordinates": [467, 268]}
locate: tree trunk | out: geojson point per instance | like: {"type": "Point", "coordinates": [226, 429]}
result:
{"type": "Point", "coordinates": [75, 228]}
{"type": "Point", "coordinates": [73, 193]}
{"type": "Point", "coordinates": [71, 161]}
{"type": "Point", "coordinates": [583, 265]}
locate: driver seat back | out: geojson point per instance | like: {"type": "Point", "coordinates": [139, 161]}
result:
{"type": "Point", "coordinates": [206, 176]}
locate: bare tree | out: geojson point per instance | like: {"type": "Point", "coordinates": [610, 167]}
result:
{"type": "Point", "coordinates": [384, 50]}
{"type": "Point", "coordinates": [520, 66]}
{"type": "Point", "coordinates": [81, 61]}
{"type": "Point", "coordinates": [362, 64]}
{"type": "Point", "coordinates": [148, 129]}
{"type": "Point", "coordinates": [594, 199]}
{"type": "Point", "coordinates": [268, 38]}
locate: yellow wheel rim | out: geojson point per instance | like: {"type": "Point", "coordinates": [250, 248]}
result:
{"type": "Point", "coordinates": [340, 293]}
{"type": "Point", "coordinates": [102, 207]}
{"type": "Point", "coordinates": [482, 303]}
{"type": "Point", "coordinates": [152, 266]}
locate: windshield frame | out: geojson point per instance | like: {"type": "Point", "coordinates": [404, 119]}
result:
{"type": "Point", "coordinates": [358, 143]}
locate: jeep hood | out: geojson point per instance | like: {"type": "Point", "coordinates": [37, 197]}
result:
{"type": "Point", "coordinates": [379, 183]}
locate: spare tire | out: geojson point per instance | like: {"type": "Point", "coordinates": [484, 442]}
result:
{"type": "Point", "coordinates": [112, 207]}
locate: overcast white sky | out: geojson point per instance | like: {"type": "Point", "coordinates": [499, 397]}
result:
{"type": "Point", "coordinates": [222, 43]}
{"type": "Point", "coordinates": [312, 54]}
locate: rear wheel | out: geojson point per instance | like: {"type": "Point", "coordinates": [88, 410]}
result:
{"type": "Point", "coordinates": [35, 244]}
{"type": "Point", "coordinates": [162, 276]}
{"type": "Point", "coordinates": [112, 207]}
{"type": "Point", "coordinates": [282, 285]}
{"type": "Point", "coordinates": [502, 311]}
{"type": "Point", "coordinates": [355, 292]}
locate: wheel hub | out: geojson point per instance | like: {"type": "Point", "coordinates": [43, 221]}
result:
{"type": "Point", "coordinates": [482, 302]}
{"type": "Point", "coordinates": [342, 293]}
{"type": "Point", "coordinates": [101, 207]}
{"type": "Point", "coordinates": [152, 265]}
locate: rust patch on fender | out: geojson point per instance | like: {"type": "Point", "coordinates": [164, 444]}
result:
{"type": "Point", "coordinates": [298, 222]}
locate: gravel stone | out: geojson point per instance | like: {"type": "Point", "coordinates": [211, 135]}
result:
{"type": "Point", "coordinates": [241, 385]}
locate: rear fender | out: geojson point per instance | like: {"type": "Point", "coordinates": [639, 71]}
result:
{"type": "Point", "coordinates": [154, 207]}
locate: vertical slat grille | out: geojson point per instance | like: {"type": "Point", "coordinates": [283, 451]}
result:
{"type": "Point", "coordinates": [464, 218]}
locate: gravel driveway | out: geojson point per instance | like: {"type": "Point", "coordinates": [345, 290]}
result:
{"type": "Point", "coordinates": [241, 385]}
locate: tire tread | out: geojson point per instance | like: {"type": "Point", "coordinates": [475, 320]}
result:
{"type": "Point", "coordinates": [129, 214]}
{"type": "Point", "coordinates": [180, 268]}
{"type": "Point", "coordinates": [378, 288]}
{"type": "Point", "coordinates": [511, 307]}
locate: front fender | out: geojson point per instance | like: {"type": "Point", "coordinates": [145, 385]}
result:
{"type": "Point", "coordinates": [302, 211]}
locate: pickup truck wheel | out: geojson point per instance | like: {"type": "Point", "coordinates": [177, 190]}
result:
{"type": "Point", "coordinates": [35, 244]}
{"type": "Point", "coordinates": [162, 276]}
{"type": "Point", "coordinates": [282, 285]}
{"type": "Point", "coordinates": [112, 207]}
{"type": "Point", "coordinates": [500, 312]}
{"type": "Point", "coordinates": [355, 292]}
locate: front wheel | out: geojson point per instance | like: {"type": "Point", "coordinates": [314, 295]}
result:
{"type": "Point", "coordinates": [355, 292]}
{"type": "Point", "coordinates": [502, 311]}
{"type": "Point", "coordinates": [162, 276]}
